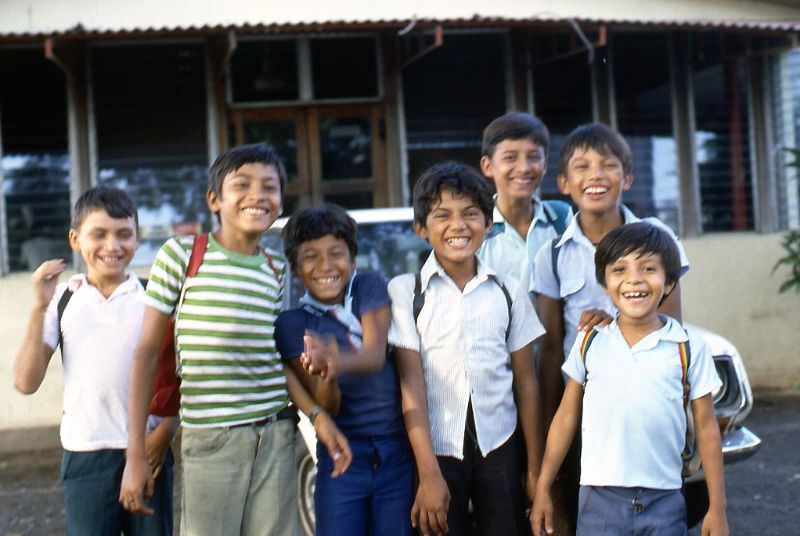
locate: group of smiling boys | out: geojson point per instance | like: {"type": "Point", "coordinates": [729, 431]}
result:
{"type": "Point", "coordinates": [427, 394]}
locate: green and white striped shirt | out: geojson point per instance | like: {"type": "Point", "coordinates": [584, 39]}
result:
{"type": "Point", "coordinates": [231, 372]}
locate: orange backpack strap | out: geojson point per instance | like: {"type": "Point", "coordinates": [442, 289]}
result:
{"type": "Point", "coordinates": [587, 342]}
{"type": "Point", "coordinates": [685, 353]}
{"type": "Point", "coordinates": [196, 258]}
{"type": "Point", "coordinates": [271, 264]}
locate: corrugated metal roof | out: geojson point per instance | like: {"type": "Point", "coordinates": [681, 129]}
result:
{"type": "Point", "coordinates": [86, 18]}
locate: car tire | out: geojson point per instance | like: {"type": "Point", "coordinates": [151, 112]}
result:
{"type": "Point", "coordinates": [306, 483]}
{"type": "Point", "coordinates": [696, 496]}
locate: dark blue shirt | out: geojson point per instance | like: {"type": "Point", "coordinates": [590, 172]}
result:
{"type": "Point", "coordinates": [370, 403]}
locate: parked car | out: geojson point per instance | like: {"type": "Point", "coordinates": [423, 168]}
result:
{"type": "Point", "coordinates": [387, 244]}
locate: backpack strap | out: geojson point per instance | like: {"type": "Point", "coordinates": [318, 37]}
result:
{"type": "Point", "coordinates": [557, 214]}
{"type": "Point", "coordinates": [685, 354]}
{"type": "Point", "coordinates": [271, 264]}
{"type": "Point", "coordinates": [196, 258]}
{"type": "Point", "coordinates": [554, 252]}
{"type": "Point", "coordinates": [419, 298]}
{"type": "Point", "coordinates": [585, 344]}
{"type": "Point", "coordinates": [509, 301]}
{"type": "Point", "coordinates": [62, 306]}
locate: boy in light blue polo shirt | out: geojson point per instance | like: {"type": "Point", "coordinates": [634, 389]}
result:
{"type": "Point", "coordinates": [514, 158]}
{"type": "Point", "coordinates": [635, 382]}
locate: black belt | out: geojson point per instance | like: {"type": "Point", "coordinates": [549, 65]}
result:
{"type": "Point", "coordinates": [289, 412]}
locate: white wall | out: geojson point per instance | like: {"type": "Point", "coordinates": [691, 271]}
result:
{"type": "Point", "coordinates": [729, 290]}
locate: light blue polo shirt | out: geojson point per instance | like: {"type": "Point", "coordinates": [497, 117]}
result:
{"type": "Point", "coordinates": [579, 287]}
{"type": "Point", "coordinates": [505, 250]}
{"type": "Point", "coordinates": [634, 427]}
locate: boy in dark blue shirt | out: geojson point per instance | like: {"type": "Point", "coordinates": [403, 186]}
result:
{"type": "Point", "coordinates": [339, 334]}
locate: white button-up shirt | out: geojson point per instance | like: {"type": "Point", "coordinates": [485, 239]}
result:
{"type": "Point", "coordinates": [579, 288]}
{"type": "Point", "coordinates": [634, 426]}
{"type": "Point", "coordinates": [461, 338]}
{"type": "Point", "coordinates": [508, 253]}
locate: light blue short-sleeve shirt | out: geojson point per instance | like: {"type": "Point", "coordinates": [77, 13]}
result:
{"type": "Point", "coordinates": [508, 253]}
{"type": "Point", "coordinates": [634, 426]}
{"type": "Point", "coordinates": [578, 287]}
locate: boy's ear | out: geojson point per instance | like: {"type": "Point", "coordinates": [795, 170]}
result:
{"type": "Point", "coordinates": [72, 237]}
{"type": "Point", "coordinates": [421, 231]}
{"type": "Point", "coordinates": [563, 184]}
{"type": "Point", "coordinates": [212, 200]}
{"type": "Point", "coordinates": [486, 167]}
{"type": "Point", "coordinates": [627, 182]}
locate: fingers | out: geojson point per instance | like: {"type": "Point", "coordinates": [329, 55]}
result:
{"type": "Point", "coordinates": [424, 525]}
{"type": "Point", "coordinates": [49, 269]}
{"type": "Point", "coordinates": [415, 514]}
{"type": "Point", "coordinates": [548, 520]}
{"type": "Point", "coordinates": [440, 522]}
{"type": "Point", "coordinates": [593, 317]}
{"type": "Point", "coordinates": [341, 455]}
{"type": "Point", "coordinates": [134, 503]}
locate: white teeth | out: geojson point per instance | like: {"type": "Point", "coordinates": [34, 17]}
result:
{"type": "Point", "coordinates": [634, 294]}
{"type": "Point", "coordinates": [327, 280]}
{"type": "Point", "coordinates": [254, 211]}
{"type": "Point", "coordinates": [596, 190]}
{"type": "Point", "coordinates": [457, 242]}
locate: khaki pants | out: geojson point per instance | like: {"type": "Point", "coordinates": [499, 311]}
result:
{"type": "Point", "coordinates": [240, 480]}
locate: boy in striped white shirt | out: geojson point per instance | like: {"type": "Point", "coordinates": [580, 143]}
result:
{"type": "Point", "coordinates": [465, 362]}
{"type": "Point", "coordinates": [237, 444]}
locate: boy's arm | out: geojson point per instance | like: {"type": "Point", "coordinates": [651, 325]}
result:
{"type": "Point", "coordinates": [137, 481]}
{"type": "Point", "coordinates": [33, 355]}
{"type": "Point", "coordinates": [157, 442]}
{"type": "Point", "coordinates": [551, 356]}
{"type": "Point", "coordinates": [325, 391]}
{"type": "Point", "coordinates": [526, 392]}
{"type": "Point", "coordinates": [672, 305]}
{"type": "Point", "coordinates": [708, 444]}
{"type": "Point", "coordinates": [432, 500]}
{"type": "Point", "coordinates": [327, 359]}
{"type": "Point", "coordinates": [559, 438]}
{"type": "Point", "coordinates": [327, 431]}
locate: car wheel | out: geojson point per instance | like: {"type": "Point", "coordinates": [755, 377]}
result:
{"type": "Point", "coordinates": [696, 496]}
{"type": "Point", "coordinates": [306, 483]}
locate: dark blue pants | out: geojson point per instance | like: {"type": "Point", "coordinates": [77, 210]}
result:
{"type": "Point", "coordinates": [374, 495]}
{"type": "Point", "coordinates": [631, 511]}
{"type": "Point", "coordinates": [91, 482]}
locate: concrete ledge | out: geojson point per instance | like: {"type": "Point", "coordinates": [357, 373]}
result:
{"type": "Point", "coordinates": [27, 439]}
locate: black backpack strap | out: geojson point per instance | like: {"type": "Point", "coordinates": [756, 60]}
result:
{"type": "Point", "coordinates": [62, 305]}
{"type": "Point", "coordinates": [554, 252]}
{"type": "Point", "coordinates": [509, 301]}
{"type": "Point", "coordinates": [419, 298]}
{"type": "Point", "coordinates": [557, 214]}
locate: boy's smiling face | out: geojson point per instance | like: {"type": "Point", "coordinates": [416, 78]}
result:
{"type": "Point", "coordinates": [249, 200]}
{"type": "Point", "coordinates": [325, 266]}
{"type": "Point", "coordinates": [636, 283]}
{"type": "Point", "coordinates": [455, 228]}
{"type": "Point", "coordinates": [516, 167]}
{"type": "Point", "coordinates": [595, 181]}
{"type": "Point", "coordinates": [106, 244]}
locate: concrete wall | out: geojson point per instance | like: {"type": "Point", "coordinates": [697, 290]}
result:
{"type": "Point", "coordinates": [729, 290]}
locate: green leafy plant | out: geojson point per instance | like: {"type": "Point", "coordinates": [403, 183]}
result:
{"type": "Point", "coordinates": [791, 243]}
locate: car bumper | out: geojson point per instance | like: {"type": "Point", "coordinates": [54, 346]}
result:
{"type": "Point", "coordinates": [739, 445]}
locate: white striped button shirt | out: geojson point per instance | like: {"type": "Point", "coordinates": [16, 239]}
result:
{"type": "Point", "coordinates": [461, 338]}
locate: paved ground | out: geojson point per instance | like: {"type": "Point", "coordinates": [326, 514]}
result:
{"type": "Point", "coordinates": [763, 492]}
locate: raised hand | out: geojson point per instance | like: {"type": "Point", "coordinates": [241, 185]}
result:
{"type": "Point", "coordinates": [45, 279]}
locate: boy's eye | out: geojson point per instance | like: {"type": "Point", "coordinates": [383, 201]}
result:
{"type": "Point", "coordinates": [471, 213]}
{"type": "Point", "coordinates": [617, 269]}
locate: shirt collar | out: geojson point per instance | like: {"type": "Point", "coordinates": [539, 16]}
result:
{"type": "Point", "coordinates": [131, 284]}
{"type": "Point", "coordinates": [538, 211]}
{"type": "Point", "coordinates": [432, 267]}
{"type": "Point", "coordinates": [573, 230]}
{"type": "Point", "coordinates": [671, 331]}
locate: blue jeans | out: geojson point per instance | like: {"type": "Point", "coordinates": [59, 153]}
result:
{"type": "Point", "coordinates": [622, 511]}
{"type": "Point", "coordinates": [91, 481]}
{"type": "Point", "coordinates": [374, 495]}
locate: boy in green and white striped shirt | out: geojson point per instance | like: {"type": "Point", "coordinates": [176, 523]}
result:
{"type": "Point", "coordinates": [237, 442]}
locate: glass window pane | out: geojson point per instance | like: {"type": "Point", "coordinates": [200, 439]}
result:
{"type": "Point", "coordinates": [265, 71]}
{"type": "Point", "coordinates": [282, 135]}
{"type": "Point", "coordinates": [722, 138]}
{"type": "Point", "coordinates": [346, 146]}
{"type": "Point", "coordinates": [786, 121]}
{"type": "Point", "coordinates": [344, 67]}
{"type": "Point", "coordinates": [562, 106]}
{"type": "Point", "coordinates": [351, 199]}
{"type": "Point", "coordinates": [644, 117]}
{"type": "Point", "coordinates": [150, 107]}
{"type": "Point", "coordinates": [35, 161]}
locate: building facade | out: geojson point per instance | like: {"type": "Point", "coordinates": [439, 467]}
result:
{"type": "Point", "coordinates": [359, 98]}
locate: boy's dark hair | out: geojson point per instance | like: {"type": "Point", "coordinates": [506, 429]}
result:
{"type": "Point", "coordinates": [642, 238]}
{"type": "Point", "coordinates": [460, 178]}
{"type": "Point", "coordinates": [603, 139]}
{"type": "Point", "coordinates": [114, 201]}
{"type": "Point", "coordinates": [311, 223]}
{"type": "Point", "coordinates": [514, 126]}
{"type": "Point", "coordinates": [236, 157]}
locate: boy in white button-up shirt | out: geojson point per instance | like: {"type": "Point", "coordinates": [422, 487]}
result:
{"type": "Point", "coordinates": [465, 364]}
{"type": "Point", "coordinates": [633, 380]}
